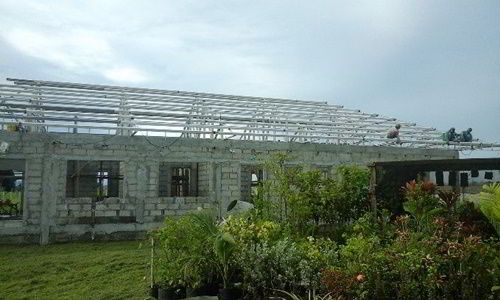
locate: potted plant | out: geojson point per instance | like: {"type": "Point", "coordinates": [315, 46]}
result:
{"type": "Point", "coordinates": [170, 293]}
{"type": "Point", "coordinates": [153, 290]}
{"type": "Point", "coordinates": [224, 247]}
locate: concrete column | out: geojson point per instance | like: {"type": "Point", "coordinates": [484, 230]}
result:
{"type": "Point", "coordinates": [212, 178]}
{"type": "Point", "coordinates": [50, 176]}
{"type": "Point", "coordinates": [217, 187]}
{"type": "Point", "coordinates": [237, 193]}
{"type": "Point", "coordinates": [142, 191]}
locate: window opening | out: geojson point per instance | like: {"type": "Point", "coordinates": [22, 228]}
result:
{"type": "Point", "coordinates": [96, 179]}
{"type": "Point", "coordinates": [180, 182]}
{"type": "Point", "coordinates": [178, 179]}
{"type": "Point", "coordinates": [102, 183]}
{"type": "Point", "coordinates": [257, 177]}
{"type": "Point", "coordinates": [11, 189]}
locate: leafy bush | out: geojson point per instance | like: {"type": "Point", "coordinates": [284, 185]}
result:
{"type": "Point", "coordinates": [422, 202]}
{"type": "Point", "coordinates": [475, 222]}
{"type": "Point", "coordinates": [225, 246]}
{"type": "Point", "coordinates": [353, 191]}
{"type": "Point", "coordinates": [185, 248]}
{"type": "Point", "coordinates": [285, 264]}
{"type": "Point", "coordinates": [442, 262]}
{"type": "Point", "coordinates": [247, 231]}
{"type": "Point", "coordinates": [318, 255]}
{"type": "Point", "coordinates": [269, 266]}
{"type": "Point", "coordinates": [307, 201]}
{"type": "Point", "coordinates": [490, 204]}
{"type": "Point", "coordinates": [443, 249]}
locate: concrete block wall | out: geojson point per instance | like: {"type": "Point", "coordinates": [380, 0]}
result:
{"type": "Point", "coordinates": [79, 184]}
{"type": "Point", "coordinates": [51, 216]}
{"type": "Point", "coordinates": [32, 205]}
{"type": "Point", "coordinates": [228, 178]}
{"type": "Point", "coordinates": [205, 174]}
{"type": "Point", "coordinates": [246, 180]}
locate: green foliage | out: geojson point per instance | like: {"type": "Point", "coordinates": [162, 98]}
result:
{"type": "Point", "coordinates": [306, 200]}
{"type": "Point", "coordinates": [272, 199]}
{"type": "Point", "coordinates": [185, 250]}
{"type": "Point", "coordinates": [443, 250]}
{"type": "Point", "coordinates": [354, 188]}
{"type": "Point", "coordinates": [269, 266]}
{"type": "Point", "coordinates": [224, 246]}
{"type": "Point", "coordinates": [247, 232]}
{"type": "Point", "coordinates": [489, 204]}
{"type": "Point", "coordinates": [449, 199]}
{"type": "Point", "coordinates": [10, 203]}
{"type": "Point", "coordinates": [317, 254]}
{"type": "Point", "coordinates": [445, 262]}
{"type": "Point", "coordinates": [288, 264]}
{"type": "Point", "coordinates": [475, 222]}
{"type": "Point", "coordinates": [421, 202]}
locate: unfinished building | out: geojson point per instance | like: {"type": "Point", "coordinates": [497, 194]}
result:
{"type": "Point", "coordinates": [82, 161]}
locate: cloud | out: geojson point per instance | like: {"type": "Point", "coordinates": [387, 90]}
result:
{"type": "Point", "coordinates": [72, 49]}
{"type": "Point", "coordinates": [126, 74]}
{"type": "Point", "coordinates": [397, 58]}
{"type": "Point", "coordinates": [76, 50]}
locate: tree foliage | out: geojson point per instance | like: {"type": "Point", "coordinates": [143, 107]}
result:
{"type": "Point", "coordinates": [489, 204]}
{"type": "Point", "coordinates": [304, 200]}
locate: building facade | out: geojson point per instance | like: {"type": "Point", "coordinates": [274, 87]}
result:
{"type": "Point", "coordinates": [101, 187]}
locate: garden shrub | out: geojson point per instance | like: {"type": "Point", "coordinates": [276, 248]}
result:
{"type": "Point", "coordinates": [353, 191]}
{"type": "Point", "coordinates": [317, 254]}
{"type": "Point", "coordinates": [422, 202]}
{"type": "Point", "coordinates": [475, 222]}
{"type": "Point", "coordinates": [185, 252]}
{"type": "Point", "coordinates": [248, 231]}
{"type": "Point", "coordinates": [441, 249]}
{"type": "Point", "coordinates": [270, 266]}
{"type": "Point", "coordinates": [441, 262]}
{"type": "Point", "coordinates": [490, 204]}
{"type": "Point", "coordinates": [306, 201]}
{"type": "Point", "coordinates": [269, 257]}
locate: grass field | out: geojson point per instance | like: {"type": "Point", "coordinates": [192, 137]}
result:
{"type": "Point", "coordinates": [112, 270]}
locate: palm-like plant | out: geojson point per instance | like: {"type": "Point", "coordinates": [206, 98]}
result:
{"type": "Point", "coordinates": [295, 297]}
{"type": "Point", "coordinates": [489, 203]}
{"type": "Point", "coordinates": [197, 264]}
{"type": "Point", "coordinates": [224, 247]}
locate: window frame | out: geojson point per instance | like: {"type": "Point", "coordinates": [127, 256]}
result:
{"type": "Point", "coordinates": [168, 187]}
{"type": "Point", "coordinates": [20, 208]}
{"type": "Point", "coordinates": [108, 183]}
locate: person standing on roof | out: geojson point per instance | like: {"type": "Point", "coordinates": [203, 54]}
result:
{"type": "Point", "coordinates": [394, 133]}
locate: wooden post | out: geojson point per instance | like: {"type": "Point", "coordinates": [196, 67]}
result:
{"type": "Point", "coordinates": [152, 261]}
{"type": "Point", "coordinates": [373, 188]}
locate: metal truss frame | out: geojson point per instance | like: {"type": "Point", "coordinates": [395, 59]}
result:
{"type": "Point", "coordinates": [45, 106]}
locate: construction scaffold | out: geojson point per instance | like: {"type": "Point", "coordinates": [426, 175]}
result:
{"type": "Point", "coordinates": [46, 106]}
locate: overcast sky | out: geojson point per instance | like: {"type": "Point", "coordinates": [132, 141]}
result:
{"type": "Point", "coordinates": [436, 63]}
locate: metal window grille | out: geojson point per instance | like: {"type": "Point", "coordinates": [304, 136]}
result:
{"type": "Point", "coordinates": [181, 178]}
{"type": "Point", "coordinates": [96, 179]}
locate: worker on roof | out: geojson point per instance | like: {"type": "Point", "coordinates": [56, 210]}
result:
{"type": "Point", "coordinates": [466, 135]}
{"type": "Point", "coordinates": [450, 135]}
{"type": "Point", "coordinates": [394, 133]}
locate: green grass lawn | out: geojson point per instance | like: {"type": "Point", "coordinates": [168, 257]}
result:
{"type": "Point", "coordinates": [111, 270]}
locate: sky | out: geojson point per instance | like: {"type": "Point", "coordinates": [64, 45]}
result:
{"type": "Point", "coordinates": [435, 63]}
